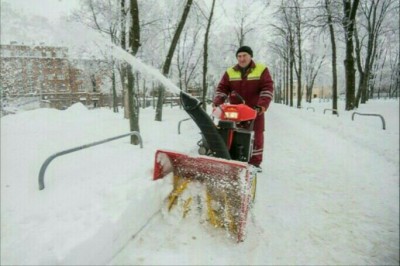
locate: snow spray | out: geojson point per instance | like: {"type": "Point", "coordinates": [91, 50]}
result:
{"type": "Point", "coordinates": [90, 36]}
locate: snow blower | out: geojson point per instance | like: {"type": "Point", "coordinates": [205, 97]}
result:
{"type": "Point", "coordinates": [219, 181]}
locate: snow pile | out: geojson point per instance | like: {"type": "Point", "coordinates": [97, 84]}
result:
{"type": "Point", "coordinates": [77, 108]}
{"type": "Point", "coordinates": [90, 195]}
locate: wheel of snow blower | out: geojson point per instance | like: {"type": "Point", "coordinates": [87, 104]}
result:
{"type": "Point", "coordinates": [204, 149]}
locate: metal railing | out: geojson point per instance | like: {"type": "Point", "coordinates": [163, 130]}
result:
{"type": "Point", "coordinates": [337, 113]}
{"type": "Point", "coordinates": [179, 124]}
{"type": "Point", "coordinates": [52, 157]}
{"type": "Point", "coordinates": [382, 119]}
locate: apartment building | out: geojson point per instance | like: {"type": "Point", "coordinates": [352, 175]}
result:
{"type": "Point", "coordinates": [48, 73]}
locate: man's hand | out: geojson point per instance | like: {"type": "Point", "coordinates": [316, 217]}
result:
{"type": "Point", "coordinates": [260, 109]}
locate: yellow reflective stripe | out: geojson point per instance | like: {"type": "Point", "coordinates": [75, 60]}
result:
{"type": "Point", "coordinates": [233, 74]}
{"type": "Point", "coordinates": [255, 74]}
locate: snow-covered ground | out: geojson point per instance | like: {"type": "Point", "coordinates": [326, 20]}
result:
{"type": "Point", "coordinates": [329, 192]}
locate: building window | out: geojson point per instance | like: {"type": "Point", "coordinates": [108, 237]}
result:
{"type": "Point", "coordinates": [80, 87]}
{"type": "Point", "coordinates": [29, 66]}
{"type": "Point", "coordinates": [60, 54]}
{"type": "Point", "coordinates": [62, 87]}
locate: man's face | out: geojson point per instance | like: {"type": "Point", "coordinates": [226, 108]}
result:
{"type": "Point", "coordinates": [243, 59]}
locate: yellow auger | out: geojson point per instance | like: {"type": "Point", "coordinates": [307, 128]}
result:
{"type": "Point", "coordinates": [180, 184]}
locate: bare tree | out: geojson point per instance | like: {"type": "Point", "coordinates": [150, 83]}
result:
{"type": "Point", "coordinates": [374, 13]}
{"type": "Point", "coordinates": [311, 69]}
{"type": "Point", "coordinates": [278, 73]}
{"type": "Point", "coordinates": [378, 67]}
{"type": "Point", "coordinates": [103, 17]}
{"type": "Point", "coordinates": [247, 16]}
{"type": "Point", "coordinates": [283, 47]}
{"type": "Point", "coordinates": [385, 69]}
{"type": "Point", "coordinates": [168, 59]}
{"type": "Point", "coordinates": [280, 49]}
{"type": "Point", "coordinates": [187, 59]}
{"type": "Point", "coordinates": [326, 20]}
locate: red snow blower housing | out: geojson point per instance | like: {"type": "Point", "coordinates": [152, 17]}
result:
{"type": "Point", "coordinates": [222, 171]}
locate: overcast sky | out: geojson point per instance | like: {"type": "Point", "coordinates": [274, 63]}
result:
{"type": "Point", "coordinates": [51, 9]}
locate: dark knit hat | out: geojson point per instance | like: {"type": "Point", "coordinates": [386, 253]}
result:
{"type": "Point", "coordinates": [245, 49]}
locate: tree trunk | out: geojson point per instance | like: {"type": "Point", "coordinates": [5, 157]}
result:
{"type": "Point", "coordinates": [359, 67]}
{"type": "Point", "coordinates": [291, 53]}
{"type": "Point", "coordinates": [350, 11]}
{"type": "Point", "coordinates": [167, 63]}
{"type": "Point", "coordinates": [291, 65]}
{"type": "Point", "coordinates": [93, 81]}
{"type": "Point", "coordinates": [205, 57]}
{"type": "Point", "coordinates": [300, 63]}
{"type": "Point", "coordinates": [133, 105]}
{"type": "Point", "coordinates": [334, 57]}
{"type": "Point", "coordinates": [114, 91]}
{"type": "Point", "coordinates": [287, 79]}
{"type": "Point", "coordinates": [398, 64]}
{"type": "Point", "coordinates": [134, 44]}
{"type": "Point", "coordinates": [125, 101]}
{"type": "Point", "coordinates": [284, 80]}
{"type": "Point", "coordinates": [144, 94]}
{"type": "Point", "coordinates": [180, 72]}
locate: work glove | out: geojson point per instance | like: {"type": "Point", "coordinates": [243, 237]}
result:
{"type": "Point", "coordinates": [260, 109]}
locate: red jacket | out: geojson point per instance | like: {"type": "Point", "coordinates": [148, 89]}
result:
{"type": "Point", "coordinates": [255, 87]}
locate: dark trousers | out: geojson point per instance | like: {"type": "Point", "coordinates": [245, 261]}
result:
{"type": "Point", "coordinates": [258, 148]}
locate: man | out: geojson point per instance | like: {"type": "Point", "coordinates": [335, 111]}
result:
{"type": "Point", "coordinates": [254, 84]}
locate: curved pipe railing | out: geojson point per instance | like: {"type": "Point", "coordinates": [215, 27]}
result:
{"type": "Point", "coordinates": [52, 157]}
{"type": "Point", "coordinates": [332, 110]}
{"type": "Point", "coordinates": [382, 119]}
{"type": "Point", "coordinates": [179, 124]}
